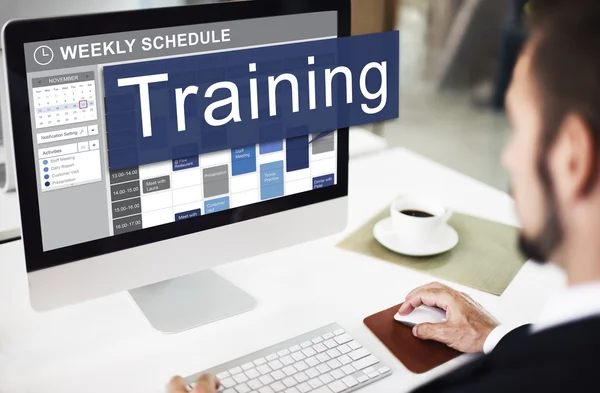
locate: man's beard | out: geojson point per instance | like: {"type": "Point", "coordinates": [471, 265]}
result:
{"type": "Point", "coordinates": [541, 248]}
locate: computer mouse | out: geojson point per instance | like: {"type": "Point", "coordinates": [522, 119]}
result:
{"type": "Point", "coordinates": [422, 314]}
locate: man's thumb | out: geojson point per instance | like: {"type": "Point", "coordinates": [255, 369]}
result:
{"type": "Point", "coordinates": [427, 331]}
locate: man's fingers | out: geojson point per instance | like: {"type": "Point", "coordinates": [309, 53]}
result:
{"type": "Point", "coordinates": [431, 331]}
{"type": "Point", "coordinates": [408, 307]}
{"type": "Point", "coordinates": [431, 285]}
{"type": "Point", "coordinates": [177, 385]}
{"type": "Point", "coordinates": [206, 384]}
{"type": "Point", "coordinates": [439, 298]}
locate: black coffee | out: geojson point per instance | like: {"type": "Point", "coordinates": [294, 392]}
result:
{"type": "Point", "coordinates": [416, 213]}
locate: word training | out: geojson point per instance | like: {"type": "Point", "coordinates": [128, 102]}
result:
{"type": "Point", "coordinates": [232, 102]}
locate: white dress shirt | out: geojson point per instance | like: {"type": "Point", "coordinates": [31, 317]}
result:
{"type": "Point", "coordinates": [575, 303]}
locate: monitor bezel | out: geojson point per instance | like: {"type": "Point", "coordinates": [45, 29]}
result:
{"type": "Point", "coordinates": [18, 33]}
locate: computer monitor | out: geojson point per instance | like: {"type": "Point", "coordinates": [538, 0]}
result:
{"type": "Point", "coordinates": [156, 229]}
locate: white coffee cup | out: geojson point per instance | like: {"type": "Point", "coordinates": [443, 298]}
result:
{"type": "Point", "coordinates": [410, 228]}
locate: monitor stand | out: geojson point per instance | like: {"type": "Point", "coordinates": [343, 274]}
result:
{"type": "Point", "coordinates": [197, 299]}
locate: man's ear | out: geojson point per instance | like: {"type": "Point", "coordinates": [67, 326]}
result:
{"type": "Point", "coordinates": [573, 158]}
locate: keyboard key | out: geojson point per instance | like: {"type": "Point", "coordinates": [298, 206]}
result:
{"type": "Point", "coordinates": [344, 359]}
{"type": "Point", "coordinates": [264, 369]}
{"type": "Point", "coordinates": [230, 390]}
{"type": "Point", "coordinates": [312, 373]}
{"type": "Point", "coordinates": [306, 344]}
{"type": "Point", "coordinates": [350, 381]}
{"type": "Point", "coordinates": [266, 379]}
{"type": "Point", "coordinates": [320, 348]}
{"type": "Point", "coordinates": [272, 357]}
{"type": "Point", "coordinates": [255, 384]}
{"type": "Point", "coordinates": [334, 364]}
{"type": "Point", "coordinates": [297, 356]}
{"type": "Point", "coordinates": [260, 361]}
{"type": "Point", "coordinates": [301, 377]}
{"type": "Point", "coordinates": [266, 389]}
{"type": "Point", "coordinates": [301, 366]}
{"type": "Point", "coordinates": [368, 370]}
{"type": "Point", "coordinates": [235, 370]}
{"type": "Point", "coordinates": [247, 366]}
{"type": "Point", "coordinates": [337, 374]}
{"type": "Point", "coordinates": [289, 370]}
{"type": "Point", "coordinates": [362, 378]}
{"type": "Point", "coordinates": [326, 378]}
{"type": "Point", "coordinates": [374, 374]}
{"type": "Point", "coordinates": [228, 382]}
{"type": "Point", "coordinates": [315, 383]}
{"type": "Point", "coordinates": [317, 340]}
{"type": "Point", "coordinates": [344, 349]}
{"type": "Point", "coordinates": [308, 352]}
{"type": "Point", "coordinates": [348, 369]}
{"type": "Point", "coordinates": [383, 370]}
{"type": "Point", "coordinates": [323, 368]}
{"type": "Point", "coordinates": [277, 375]}
{"type": "Point", "coordinates": [338, 332]}
{"type": "Point", "coordinates": [333, 353]}
{"type": "Point", "coordinates": [275, 364]}
{"type": "Point", "coordinates": [330, 344]}
{"type": "Point", "coordinates": [323, 357]}
{"type": "Point", "coordinates": [289, 382]}
{"type": "Point", "coordinates": [337, 386]}
{"type": "Point", "coordinates": [354, 345]}
{"type": "Point", "coordinates": [223, 375]}
{"type": "Point", "coordinates": [295, 348]}
{"type": "Point", "coordinates": [365, 362]}
{"type": "Point", "coordinates": [243, 388]}
{"type": "Point", "coordinates": [312, 361]}
{"type": "Point", "coordinates": [327, 336]}
{"type": "Point", "coordinates": [359, 354]}
{"type": "Point", "coordinates": [284, 352]}
{"type": "Point", "coordinates": [278, 387]}
{"type": "Point", "coordinates": [304, 387]}
{"type": "Point", "coordinates": [240, 378]}
{"type": "Point", "coordinates": [292, 390]}
{"type": "Point", "coordinates": [287, 360]}
{"type": "Point", "coordinates": [252, 374]}
{"type": "Point", "coordinates": [343, 339]}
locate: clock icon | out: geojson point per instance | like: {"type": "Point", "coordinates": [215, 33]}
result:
{"type": "Point", "coordinates": [43, 55]}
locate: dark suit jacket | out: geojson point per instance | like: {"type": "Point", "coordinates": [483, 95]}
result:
{"type": "Point", "coordinates": [561, 359]}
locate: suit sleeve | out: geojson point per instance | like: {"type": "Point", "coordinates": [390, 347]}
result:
{"type": "Point", "coordinates": [497, 335]}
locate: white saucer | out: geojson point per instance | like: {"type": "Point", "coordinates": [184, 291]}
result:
{"type": "Point", "coordinates": [445, 239]}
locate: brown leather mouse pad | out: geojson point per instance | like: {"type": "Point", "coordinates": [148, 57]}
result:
{"type": "Point", "coordinates": [417, 355]}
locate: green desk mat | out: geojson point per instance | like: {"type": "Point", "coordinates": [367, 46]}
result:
{"type": "Point", "coordinates": [485, 258]}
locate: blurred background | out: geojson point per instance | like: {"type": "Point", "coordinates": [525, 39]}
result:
{"type": "Point", "coordinates": [456, 61]}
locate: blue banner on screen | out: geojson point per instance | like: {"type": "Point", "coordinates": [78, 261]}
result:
{"type": "Point", "coordinates": [174, 109]}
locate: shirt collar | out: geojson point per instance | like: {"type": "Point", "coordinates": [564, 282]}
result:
{"type": "Point", "coordinates": [575, 303]}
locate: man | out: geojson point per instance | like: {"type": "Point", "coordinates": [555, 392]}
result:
{"type": "Point", "coordinates": [554, 162]}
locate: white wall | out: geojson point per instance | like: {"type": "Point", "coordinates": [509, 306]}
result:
{"type": "Point", "coordinates": [10, 9]}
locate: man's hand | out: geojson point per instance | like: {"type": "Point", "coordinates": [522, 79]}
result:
{"type": "Point", "coordinates": [467, 323]}
{"type": "Point", "coordinates": [204, 384]}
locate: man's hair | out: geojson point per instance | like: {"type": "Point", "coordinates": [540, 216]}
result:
{"type": "Point", "coordinates": [565, 66]}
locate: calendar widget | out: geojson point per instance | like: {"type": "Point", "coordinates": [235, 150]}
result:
{"type": "Point", "coordinates": [65, 99]}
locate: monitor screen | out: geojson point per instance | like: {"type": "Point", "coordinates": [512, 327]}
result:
{"type": "Point", "coordinates": [75, 120]}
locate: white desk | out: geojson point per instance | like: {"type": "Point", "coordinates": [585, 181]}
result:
{"type": "Point", "coordinates": [106, 345]}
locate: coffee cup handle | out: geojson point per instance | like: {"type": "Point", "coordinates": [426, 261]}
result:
{"type": "Point", "coordinates": [448, 215]}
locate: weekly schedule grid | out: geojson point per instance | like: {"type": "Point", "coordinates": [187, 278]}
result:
{"type": "Point", "coordinates": [160, 193]}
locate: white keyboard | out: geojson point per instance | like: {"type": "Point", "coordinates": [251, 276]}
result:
{"type": "Point", "coordinates": [326, 360]}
